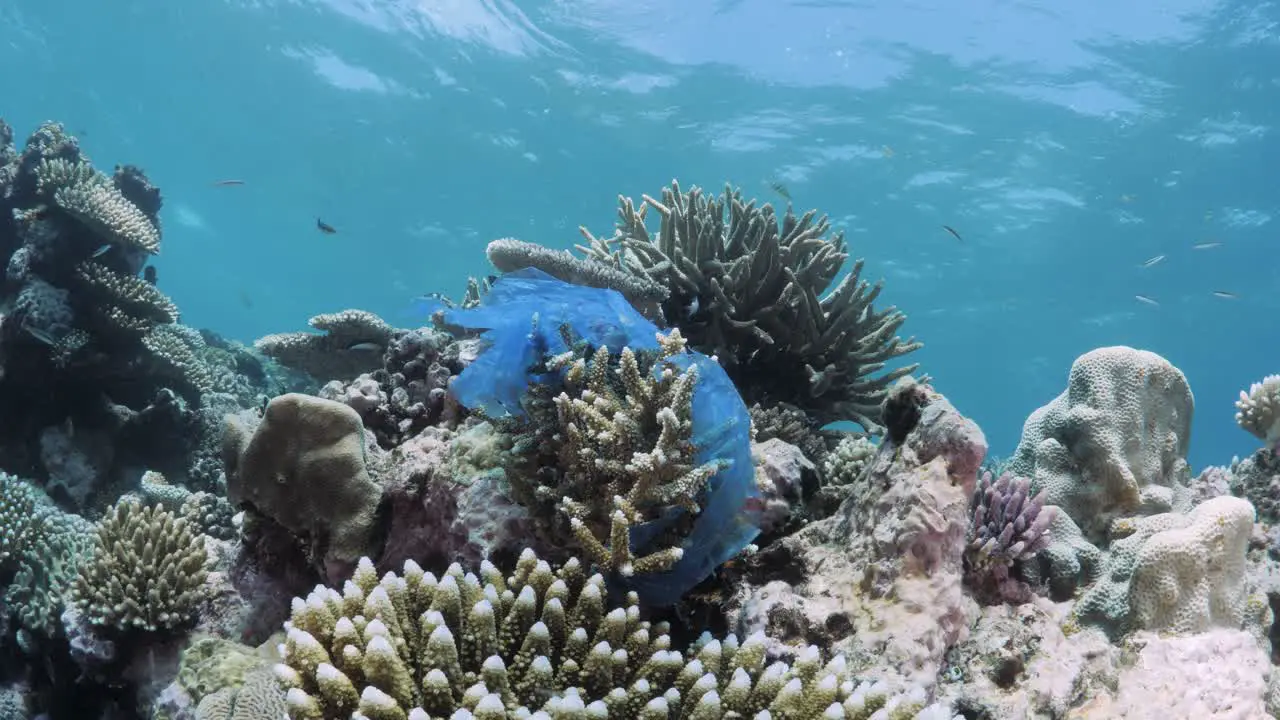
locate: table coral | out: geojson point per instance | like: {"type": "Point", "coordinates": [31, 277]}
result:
{"type": "Point", "coordinates": [353, 342]}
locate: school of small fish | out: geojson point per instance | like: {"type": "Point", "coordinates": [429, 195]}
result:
{"type": "Point", "coordinates": [1156, 260]}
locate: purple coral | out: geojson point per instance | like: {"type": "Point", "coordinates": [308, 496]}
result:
{"type": "Point", "coordinates": [1008, 524]}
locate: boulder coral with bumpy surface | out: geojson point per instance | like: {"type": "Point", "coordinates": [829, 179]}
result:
{"type": "Point", "coordinates": [1114, 443]}
{"type": "Point", "coordinates": [304, 467]}
{"type": "Point", "coordinates": [1175, 573]}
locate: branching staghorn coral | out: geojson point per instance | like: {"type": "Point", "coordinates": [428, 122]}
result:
{"type": "Point", "coordinates": [353, 343]}
{"type": "Point", "coordinates": [751, 288]}
{"type": "Point", "coordinates": [540, 643]}
{"type": "Point", "coordinates": [89, 196]}
{"type": "Point", "coordinates": [1258, 411]}
{"type": "Point", "coordinates": [147, 573]}
{"type": "Point", "coordinates": [613, 449]}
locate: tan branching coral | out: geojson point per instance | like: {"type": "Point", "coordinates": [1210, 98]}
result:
{"type": "Point", "coordinates": [352, 343]}
{"type": "Point", "coordinates": [90, 197]}
{"type": "Point", "coordinates": [147, 572]}
{"type": "Point", "coordinates": [752, 288]}
{"type": "Point", "coordinates": [489, 647]}
{"type": "Point", "coordinates": [618, 440]}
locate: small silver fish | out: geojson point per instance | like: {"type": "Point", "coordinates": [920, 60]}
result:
{"type": "Point", "coordinates": [102, 250]}
{"type": "Point", "coordinates": [1225, 295]}
{"type": "Point", "coordinates": [1153, 261]}
{"type": "Point", "coordinates": [1146, 300]}
{"type": "Point", "coordinates": [1206, 245]}
{"type": "Point", "coordinates": [364, 347]}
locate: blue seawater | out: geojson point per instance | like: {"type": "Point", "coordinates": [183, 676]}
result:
{"type": "Point", "coordinates": [521, 317]}
{"type": "Point", "coordinates": [1067, 142]}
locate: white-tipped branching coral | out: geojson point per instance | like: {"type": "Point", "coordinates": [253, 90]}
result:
{"type": "Point", "coordinates": [541, 643]}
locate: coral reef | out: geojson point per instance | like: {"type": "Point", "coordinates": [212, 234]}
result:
{"type": "Point", "coordinates": [352, 343]}
{"type": "Point", "coordinates": [554, 502]}
{"type": "Point", "coordinates": [1112, 445]}
{"type": "Point", "coordinates": [99, 380]}
{"type": "Point", "coordinates": [880, 581]}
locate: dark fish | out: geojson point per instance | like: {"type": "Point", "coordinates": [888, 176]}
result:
{"type": "Point", "coordinates": [228, 183]}
{"type": "Point", "coordinates": [325, 227]}
{"type": "Point", "coordinates": [149, 274]}
{"type": "Point", "coordinates": [781, 189]}
{"type": "Point", "coordinates": [952, 230]}
{"type": "Point", "coordinates": [1225, 295]}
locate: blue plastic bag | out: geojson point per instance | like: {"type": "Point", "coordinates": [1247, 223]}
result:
{"type": "Point", "coordinates": [520, 318]}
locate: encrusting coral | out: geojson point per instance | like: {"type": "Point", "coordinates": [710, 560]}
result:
{"type": "Point", "coordinates": [540, 643]}
{"type": "Point", "coordinates": [614, 449]}
{"type": "Point", "coordinates": [147, 572]}
{"type": "Point", "coordinates": [752, 289]}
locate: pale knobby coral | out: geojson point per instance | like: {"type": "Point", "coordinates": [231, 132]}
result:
{"type": "Point", "coordinates": [754, 290]}
{"type": "Point", "coordinates": [541, 643]}
{"type": "Point", "coordinates": [619, 436]}
{"type": "Point", "coordinates": [847, 460]}
{"type": "Point", "coordinates": [147, 573]}
{"type": "Point", "coordinates": [1258, 411]}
